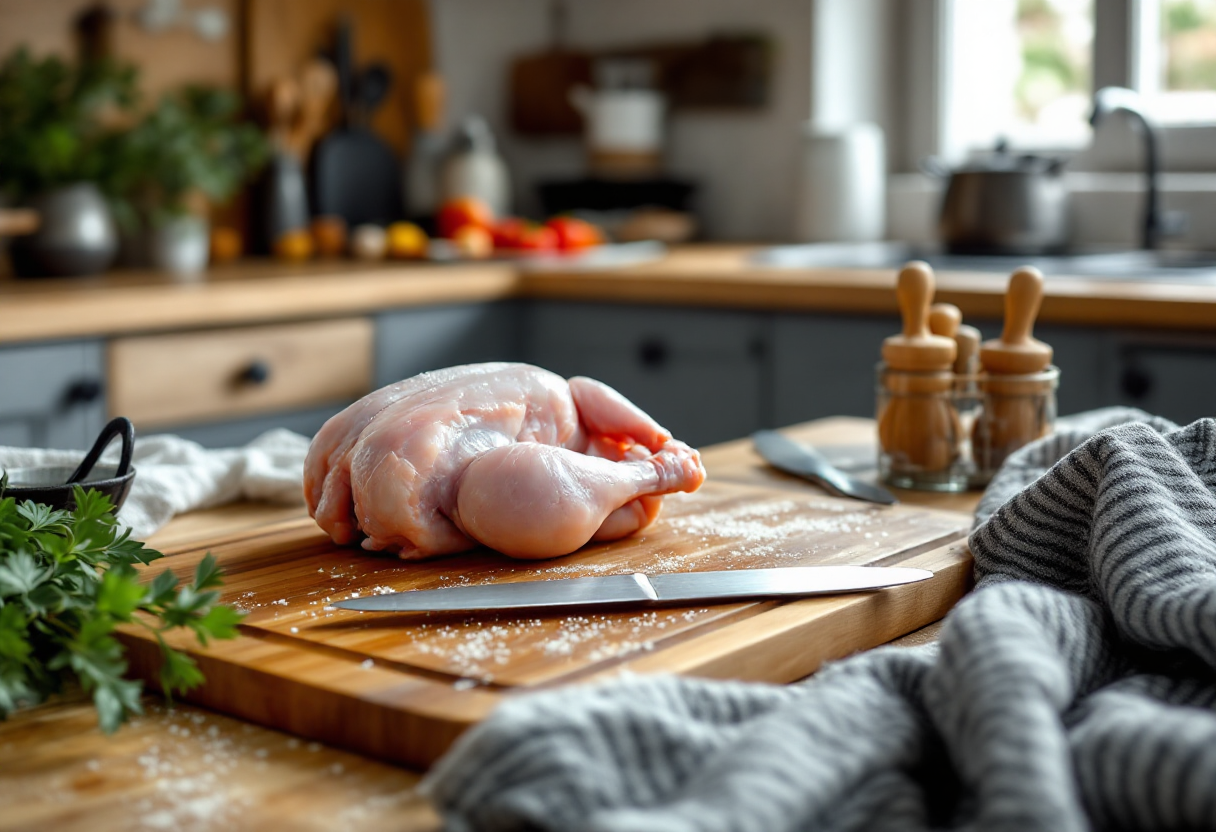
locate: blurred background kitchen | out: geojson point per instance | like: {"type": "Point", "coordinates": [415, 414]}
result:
{"type": "Point", "coordinates": [227, 215]}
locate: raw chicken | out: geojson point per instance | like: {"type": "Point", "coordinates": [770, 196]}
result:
{"type": "Point", "coordinates": [506, 455]}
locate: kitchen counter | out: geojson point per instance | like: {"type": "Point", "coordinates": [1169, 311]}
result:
{"type": "Point", "coordinates": [698, 275]}
{"type": "Point", "coordinates": [188, 768]}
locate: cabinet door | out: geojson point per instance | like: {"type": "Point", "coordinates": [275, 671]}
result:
{"type": "Point", "coordinates": [1170, 376]}
{"type": "Point", "coordinates": [824, 366]}
{"type": "Point", "coordinates": [51, 395]}
{"type": "Point", "coordinates": [699, 373]}
{"type": "Point", "coordinates": [412, 341]}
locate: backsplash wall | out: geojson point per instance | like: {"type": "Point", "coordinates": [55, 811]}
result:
{"type": "Point", "coordinates": [744, 161]}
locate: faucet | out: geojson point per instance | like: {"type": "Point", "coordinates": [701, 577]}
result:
{"type": "Point", "coordinates": [1109, 99]}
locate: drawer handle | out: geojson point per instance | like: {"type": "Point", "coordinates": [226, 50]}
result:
{"type": "Point", "coordinates": [653, 353]}
{"type": "Point", "coordinates": [258, 372]}
{"type": "Point", "coordinates": [1136, 383]}
{"type": "Point", "coordinates": [83, 391]}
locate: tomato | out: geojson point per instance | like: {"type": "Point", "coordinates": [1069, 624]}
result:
{"type": "Point", "coordinates": [507, 232]}
{"type": "Point", "coordinates": [466, 210]}
{"type": "Point", "coordinates": [517, 234]}
{"type": "Point", "coordinates": [573, 233]}
{"type": "Point", "coordinates": [537, 238]}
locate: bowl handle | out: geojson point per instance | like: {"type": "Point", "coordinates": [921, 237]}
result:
{"type": "Point", "coordinates": [118, 425]}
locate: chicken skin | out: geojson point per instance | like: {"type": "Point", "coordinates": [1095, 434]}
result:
{"type": "Point", "coordinates": [509, 456]}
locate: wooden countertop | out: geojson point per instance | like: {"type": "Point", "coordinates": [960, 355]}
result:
{"type": "Point", "coordinates": [700, 275]}
{"type": "Point", "coordinates": [189, 768]}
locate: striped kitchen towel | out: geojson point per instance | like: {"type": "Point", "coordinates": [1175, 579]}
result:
{"type": "Point", "coordinates": [1075, 689]}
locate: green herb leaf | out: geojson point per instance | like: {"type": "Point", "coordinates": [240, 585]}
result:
{"type": "Point", "coordinates": [67, 580]}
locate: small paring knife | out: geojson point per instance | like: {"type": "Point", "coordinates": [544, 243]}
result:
{"type": "Point", "coordinates": [789, 456]}
{"type": "Point", "coordinates": [644, 590]}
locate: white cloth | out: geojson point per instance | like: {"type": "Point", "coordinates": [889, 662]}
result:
{"type": "Point", "coordinates": [175, 475]}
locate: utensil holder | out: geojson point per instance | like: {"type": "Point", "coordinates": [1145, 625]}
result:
{"type": "Point", "coordinates": [947, 431]}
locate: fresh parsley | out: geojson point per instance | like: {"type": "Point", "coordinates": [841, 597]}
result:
{"type": "Point", "coordinates": [67, 579]}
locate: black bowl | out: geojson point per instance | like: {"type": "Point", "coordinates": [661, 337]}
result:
{"type": "Point", "coordinates": [52, 484]}
{"type": "Point", "coordinates": [47, 484]}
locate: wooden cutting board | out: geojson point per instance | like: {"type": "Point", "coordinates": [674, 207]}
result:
{"type": "Point", "coordinates": [402, 687]}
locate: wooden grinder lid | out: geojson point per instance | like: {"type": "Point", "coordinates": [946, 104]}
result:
{"type": "Point", "coordinates": [917, 349]}
{"type": "Point", "coordinates": [945, 319]}
{"type": "Point", "coordinates": [1017, 352]}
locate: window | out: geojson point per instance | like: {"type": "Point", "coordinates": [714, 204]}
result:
{"type": "Point", "coordinates": [1180, 77]}
{"type": "Point", "coordinates": [1021, 70]}
{"type": "Point", "coordinates": [1025, 70]}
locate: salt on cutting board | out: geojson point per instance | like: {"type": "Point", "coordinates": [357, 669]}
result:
{"type": "Point", "coordinates": [403, 687]}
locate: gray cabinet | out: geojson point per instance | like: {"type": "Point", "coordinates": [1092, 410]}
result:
{"type": "Point", "coordinates": [412, 341]}
{"type": "Point", "coordinates": [51, 395]}
{"type": "Point", "coordinates": [1171, 375]}
{"type": "Point", "coordinates": [824, 365]}
{"type": "Point", "coordinates": [701, 373]}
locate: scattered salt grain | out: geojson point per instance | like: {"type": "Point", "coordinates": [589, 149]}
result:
{"type": "Point", "coordinates": [367, 664]}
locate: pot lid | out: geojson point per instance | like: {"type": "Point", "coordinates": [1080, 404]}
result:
{"type": "Point", "coordinates": [1001, 160]}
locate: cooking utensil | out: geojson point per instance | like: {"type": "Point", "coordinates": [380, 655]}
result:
{"type": "Point", "coordinates": [372, 88]}
{"type": "Point", "coordinates": [354, 173]}
{"type": "Point", "coordinates": [53, 484]}
{"type": "Point", "coordinates": [646, 590]}
{"type": "Point", "coordinates": [793, 458]}
{"type": "Point", "coordinates": [421, 186]}
{"type": "Point", "coordinates": [1003, 203]}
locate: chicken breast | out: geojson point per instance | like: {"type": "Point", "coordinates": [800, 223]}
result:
{"type": "Point", "coordinates": [506, 455]}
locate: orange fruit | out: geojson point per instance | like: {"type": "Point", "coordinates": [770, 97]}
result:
{"type": "Point", "coordinates": [406, 241]}
{"type": "Point", "coordinates": [295, 245]}
{"type": "Point", "coordinates": [473, 242]}
{"type": "Point", "coordinates": [226, 244]}
{"type": "Point", "coordinates": [329, 236]}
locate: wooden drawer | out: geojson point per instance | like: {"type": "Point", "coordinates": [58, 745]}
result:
{"type": "Point", "coordinates": [172, 379]}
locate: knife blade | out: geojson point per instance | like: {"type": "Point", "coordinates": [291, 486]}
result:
{"type": "Point", "coordinates": [780, 582]}
{"type": "Point", "coordinates": [793, 458]}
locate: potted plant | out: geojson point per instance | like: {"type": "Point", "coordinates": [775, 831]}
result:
{"type": "Point", "coordinates": [55, 121]}
{"type": "Point", "coordinates": [189, 152]}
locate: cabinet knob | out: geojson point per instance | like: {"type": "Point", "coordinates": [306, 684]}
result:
{"type": "Point", "coordinates": [1136, 383]}
{"type": "Point", "coordinates": [258, 372]}
{"type": "Point", "coordinates": [653, 353]}
{"type": "Point", "coordinates": [83, 391]}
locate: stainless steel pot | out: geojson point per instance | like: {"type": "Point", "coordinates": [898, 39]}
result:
{"type": "Point", "coordinates": [76, 237]}
{"type": "Point", "coordinates": [1003, 204]}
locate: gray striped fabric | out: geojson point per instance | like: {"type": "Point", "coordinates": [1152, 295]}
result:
{"type": "Point", "coordinates": [1074, 690]}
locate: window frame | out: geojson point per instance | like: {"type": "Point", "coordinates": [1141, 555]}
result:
{"type": "Point", "coordinates": [1125, 50]}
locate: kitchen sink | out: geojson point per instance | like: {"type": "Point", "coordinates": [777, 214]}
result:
{"type": "Point", "coordinates": [1163, 266]}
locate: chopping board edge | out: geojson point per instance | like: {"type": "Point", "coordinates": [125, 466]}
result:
{"type": "Point", "coordinates": [411, 723]}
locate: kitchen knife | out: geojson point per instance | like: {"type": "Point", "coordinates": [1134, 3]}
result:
{"type": "Point", "coordinates": [782, 582]}
{"type": "Point", "coordinates": [793, 458]}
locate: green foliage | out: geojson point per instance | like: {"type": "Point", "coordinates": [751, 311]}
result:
{"type": "Point", "coordinates": [1181, 17]}
{"type": "Point", "coordinates": [67, 579]}
{"type": "Point", "coordinates": [192, 143]}
{"type": "Point", "coordinates": [52, 119]}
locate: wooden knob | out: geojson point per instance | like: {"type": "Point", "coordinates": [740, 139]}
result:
{"type": "Point", "coordinates": [917, 349]}
{"type": "Point", "coordinates": [428, 100]}
{"type": "Point", "coordinates": [1017, 352]}
{"type": "Point", "coordinates": [967, 340]}
{"type": "Point", "coordinates": [944, 319]}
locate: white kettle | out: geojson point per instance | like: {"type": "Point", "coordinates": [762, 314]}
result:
{"type": "Point", "coordinates": [624, 130]}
